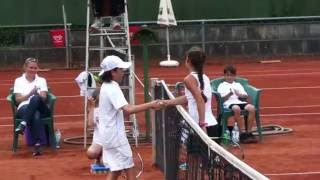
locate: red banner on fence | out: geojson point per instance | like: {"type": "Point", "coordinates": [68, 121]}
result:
{"type": "Point", "coordinates": [58, 37]}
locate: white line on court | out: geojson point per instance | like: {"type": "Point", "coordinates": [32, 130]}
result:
{"type": "Point", "coordinates": [55, 116]}
{"type": "Point", "coordinates": [287, 107]}
{"type": "Point", "coordinates": [297, 87]}
{"type": "Point", "coordinates": [289, 114]}
{"type": "Point", "coordinates": [72, 96]}
{"type": "Point", "coordinates": [280, 74]}
{"type": "Point", "coordinates": [175, 76]}
{"type": "Point", "coordinates": [265, 115]}
{"type": "Point", "coordinates": [58, 150]}
{"type": "Point", "coordinates": [55, 79]}
{"type": "Point", "coordinates": [244, 73]}
{"type": "Point", "coordinates": [62, 82]}
{"type": "Point", "coordinates": [281, 88]}
{"type": "Point", "coordinates": [58, 123]}
{"type": "Point", "coordinates": [300, 173]}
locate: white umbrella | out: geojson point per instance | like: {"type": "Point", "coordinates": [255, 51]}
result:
{"type": "Point", "coordinates": [166, 18]}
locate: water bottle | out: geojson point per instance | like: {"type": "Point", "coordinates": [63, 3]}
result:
{"type": "Point", "coordinates": [235, 133]}
{"type": "Point", "coordinates": [226, 137]}
{"type": "Point", "coordinates": [58, 138]}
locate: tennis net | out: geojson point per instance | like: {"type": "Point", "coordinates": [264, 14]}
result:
{"type": "Point", "coordinates": [183, 151]}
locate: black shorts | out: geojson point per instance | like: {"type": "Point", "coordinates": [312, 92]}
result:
{"type": "Point", "coordinates": [194, 141]}
{"type": "Point", "coordinates": [242, 106]}
{"type": "Point", "coordinates": [214, 131]}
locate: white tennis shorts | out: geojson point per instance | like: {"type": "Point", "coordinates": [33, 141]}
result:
{"type": "Point", "coordinates": [118, 158]}
{"type": "Point", "coordinates": [96, 139]}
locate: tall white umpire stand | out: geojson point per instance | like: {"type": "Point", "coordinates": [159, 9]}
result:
{"type": "Point", "coordinates": [101, 42]}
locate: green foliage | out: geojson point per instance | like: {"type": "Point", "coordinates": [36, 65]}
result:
{"type": "Point", "coordinates": [145, 35]}
{"type": "Point", "coordinates": [11, 37]}
{"type": "Point", "coordinates": [15, 36]}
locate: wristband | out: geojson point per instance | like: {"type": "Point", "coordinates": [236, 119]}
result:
{"type": "Point", "coordinates": [202, 124]}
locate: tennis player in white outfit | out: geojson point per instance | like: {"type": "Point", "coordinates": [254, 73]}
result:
{"type": "Point", "coordinates": [112, 108]}
{"type": "Point", "coordinates": [197, 93]}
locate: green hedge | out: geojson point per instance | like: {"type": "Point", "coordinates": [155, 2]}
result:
{"type": "Point", "coordinates": [11, 37]}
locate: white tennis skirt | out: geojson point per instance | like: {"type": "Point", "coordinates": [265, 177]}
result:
{"type": "Point", "coordinates": [118, 158]}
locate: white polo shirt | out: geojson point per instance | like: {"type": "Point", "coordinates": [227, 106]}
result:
{"type": "Point", "coordinates": [111, 121]}
{"type": "Point", "coordinates": [24, 87]}
{"type": "Point", "coordinates": [224, 89]}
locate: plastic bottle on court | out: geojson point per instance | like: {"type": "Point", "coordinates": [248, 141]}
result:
{"type": "Point", "coordinates": [226, 137]}
{"type": "Point", "coordinates": [58, 138]}
{"type": "Point", "coordinates": [235, 133]}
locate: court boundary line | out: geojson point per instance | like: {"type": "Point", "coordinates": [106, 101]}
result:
{"type": "Point", "coordinates": [80, 115]}
{"type": "Point", "coordinates": [294, 173]}
{"type": "Point", "coordinates": [56, 123]}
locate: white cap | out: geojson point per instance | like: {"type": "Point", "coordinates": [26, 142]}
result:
{"type": "Point", "coordinates": [111, 62]}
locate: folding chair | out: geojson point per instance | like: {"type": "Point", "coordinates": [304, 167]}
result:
{"type": "Point", "coordinates": [47, 121]}
{"type": "Point", "coordinates": [224, 113]}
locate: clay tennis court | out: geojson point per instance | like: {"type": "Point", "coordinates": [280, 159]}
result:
{"type": "Point", "coordinates": [290, 98]}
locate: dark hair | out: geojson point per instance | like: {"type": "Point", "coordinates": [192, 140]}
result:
{"type": "Point", "coordinates": [107, 76]}
{"type": "Point", "coordinates": [231, 69]}
{"type": "Point", "coordinates": [197, 59]}
{"type": "Point", "coordinates": [89, 80]}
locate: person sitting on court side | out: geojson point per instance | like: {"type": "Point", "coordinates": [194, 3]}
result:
{"type": "Point", "coordinates": [234, 97]}
{"type": "Point", "coordinates": [31, 93]}
{"type": "Point", "coordinates": [81, 80]}
{"type": "Point", "coordinates": [113, 106]}
{"type": "Point", "coordinates": [197, 93]}
{"type": "Point", "coordinates": [113, 8]}
{"type": "Point", "coordinates": [95, 149]}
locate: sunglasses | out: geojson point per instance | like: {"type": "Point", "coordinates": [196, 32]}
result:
{"type": "Point", "coordinates": [29, 60]}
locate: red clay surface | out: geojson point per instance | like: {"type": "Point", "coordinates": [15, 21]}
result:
{"type": "Point", "coordinates": [290, 98]}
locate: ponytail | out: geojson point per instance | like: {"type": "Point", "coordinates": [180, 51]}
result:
{"type": "Point", "coordinates": [200, 77]}
{"type": "Point", "coordinates": [197, 58]}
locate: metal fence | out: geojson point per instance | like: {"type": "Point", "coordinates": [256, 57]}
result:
{"type": "Point", "coordinates": [254, 38]}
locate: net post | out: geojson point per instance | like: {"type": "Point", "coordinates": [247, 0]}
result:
{"type": "Point", "coordinates": [154, 83]}
{"type": "Point", "coordinates": [163, 124]}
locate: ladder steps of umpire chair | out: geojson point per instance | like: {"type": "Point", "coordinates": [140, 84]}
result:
{"type": "Point", "coordinates": [108, 34]}
{"type": "Point", "coordinates": [110, 38]}
{"type": "Point", "coordinates": [107, 48]}
{"type": "Point", "coordinates": [129, 121]}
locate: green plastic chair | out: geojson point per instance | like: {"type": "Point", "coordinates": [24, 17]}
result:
{"type": "Point", "coordinates": [224, 113]}
{"type": "Point", "coordinates": [47, 121]}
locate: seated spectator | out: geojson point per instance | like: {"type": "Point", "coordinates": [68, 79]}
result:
{"type": "Point", "coordinates": [112, 8]}
{"type": "Point", "coordinates": [235, 98]}
{"type": "Point", "coordinates": [31, 93]}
